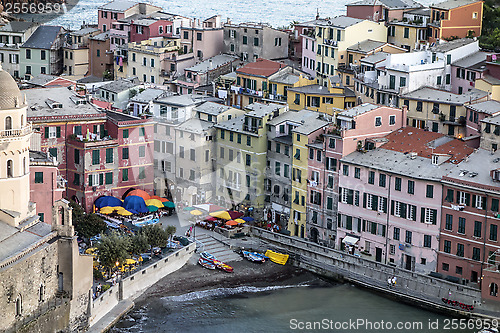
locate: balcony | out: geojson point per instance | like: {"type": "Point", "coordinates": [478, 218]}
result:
{"type": "Point", "coordinates": [93, 140]}
{"type": "Point", "coordinates": [15, 133]}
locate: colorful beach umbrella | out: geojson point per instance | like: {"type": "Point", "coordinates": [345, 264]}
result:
{"type": "Point", "coordinates": [136, 203]}
{"type": "Point", "coordinates": [196, 212]}
{"type": "Point", "coordinates": [107, 210]}
{"type": "Point", "coordinates": [129, 261]}
{"type": "Point", "coordinates": [187, 209]}
{"type": "Point", "coordinates": [152, 208]}
{"type": "Point", "coordinates": [231, 222]}
{"type": "Point", "coordinates": [107, 201]}
{"type": "Point", "coordinates": [154, 202]}
{"type": "Point", "coordinates": [140, 193]}
{"type": "Point", "coordinates": [159, 198]}
{"type": "Point", "coordinates": [169, 204]}
{"type": "Point", "coordinates": [230, 215]}
{"type": "Point", "coordinates": [240, 220]}
{"type": "Point", "coordinates": [211, 219]}
{"type": "Point", "coordinates": [248, 218]}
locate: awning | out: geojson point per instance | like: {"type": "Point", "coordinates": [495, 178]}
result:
{"type": "Point", "coordinates": [350, 240]}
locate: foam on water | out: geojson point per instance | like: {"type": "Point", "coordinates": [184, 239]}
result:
{"type": "Point", "coordinates": [224, 292]}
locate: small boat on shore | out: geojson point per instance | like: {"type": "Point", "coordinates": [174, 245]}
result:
{"type": "Point", "coordinates": [206, 263]}
{"type": "Point", "coordinates": [276, 257]}
{"type": "Point", "coordinates": [254, 256]}
{"type": "Point", "coordinates": [225, 267]}
{"type": "Point", "coordinates": [207, 256]}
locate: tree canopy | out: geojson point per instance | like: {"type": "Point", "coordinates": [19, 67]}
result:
{"type": "Point", "coordinates": [86, 225]}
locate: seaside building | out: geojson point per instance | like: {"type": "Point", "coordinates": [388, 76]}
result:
{"type": "Point", "coordinates": [115, 95]}
{"type": "Point", "coordinates": [117, 10]}
{"type": "Point", "coordinates": [100, 57]}
{"type": "Point", "coordinates": [490, 80]}
{"type": "Point", "coordinates": [251, 41]}
{"type": "Point", "coordinates": [380, 10]}
{"type": "Point", "coordinates": [12, 36]}
{"type": "Point", "coordinates": [410, 32]}
{"type": "Point", "coordinates": [476, 113]}
{"type": "Point", "coordinates": [76, 52]}
{"type": "Point", "coordinates": [42, 52]}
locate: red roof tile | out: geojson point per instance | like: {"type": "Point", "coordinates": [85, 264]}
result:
{"type": "Point", "coordinates": [415, 140]}
{"type": "Point", "coordinates": [261, 67]}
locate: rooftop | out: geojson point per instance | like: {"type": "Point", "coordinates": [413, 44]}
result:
{"type": "Point", "coordinates": [148, 95]}
{"type": "Point", "coordinates": [284, 139]}
{"type": "Point", "coordinates": [119, 6]}
{"type": "Point", "coordinates": [341, 21]}
{"type": "Point", "coordinates": [84, 31]}
{"type": "Point", "coordinates": [13, 241]}
{"type": "Point", "coordinates": [375, 58]}
{"type": "Point", "coordinates": [119, 116]}
{"type": "Point", "coordinates": [259, 110]}
{"type": "Point", "coordinates": [490, 79]}
{"type": "Point", "coordinates": [452, 45]}
{"type": "Point", "coordinates": [41, 157]}
{"type": "Point", "coordinates": [212, 63]}
{"type": "Point", "coordinates": [420, 11]}
{"type": "Point", "coordinates": [298, 118]}
{"type": "Point", "coordinates": [261, 67]}
{"type": "Point", "coordinates": [43, 37]}
{"type": "Point", "coordinates": [212, 108]}
{"type": "Point", "coordinates": [366, 46]}
{"type": "Point", "coordinates": [360, 109]}
{"type": "Point", "coordinates": [185, 100]}
{"type": "Point", "coordinates": [285, 77]}
{"type": "Point", "coordinates": [451, 4]}
{"type": "Point", "coordinates": [101, 37]}
{"type": "Point", "coordinates": [119, 85]}
{"type": "Point", "coordinates": [41, 101]}
{"type": "Point", "coordinates": [196, 126]}
{"type": "Point", "coordinates": [477, 168]}
{"type": "Point", "coordinates": [311, 125]}
{"type": "Point", "coordinates": [495, 120]}
{"type": "Point", "coordinates": [321, 90]}
{"type": "Point", "coordinates": [391, 4]}
{"type": "Point", "coordinates": [17, 26]}
{"type": "Point", "coordinates": [474, 59]}
{"type": "Point", "coordinates": [424, 144]}
{"type": "Point", "coordinates": [441, 96]}
{"type": "Point", "coordinates": [489, 107]}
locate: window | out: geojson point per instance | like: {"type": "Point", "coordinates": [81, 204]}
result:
{"type": "Point", "coordinates": [476, 253]}
{"type": "Point", "coordinates": [249, 140]}
{"type": "Point", "coordinates": [125, 175]}
{"type": "Point", "coordinates": [427, 241]}
{"type": "Point", "coordinates": [396, 233]}
{"type": "Point", "coordinates": [95, 157]}
{"type": "Point", "coordinates": [198, 36]}
{"type": "Point", "coordinates": [297, 154]}
{"type": "Point", "coordinates": [109, 178]}
{"type": "Point", "coordinates": [397, 184]}
{"type": "Point", "coordinates": [408, 237]}
{"type": "Point", "coordinates": [256, 41]}
{"type": "Point", "coordinates": [371, 177]}
{"type": "Point", "coordinates": [76, 179]}
{"type": "Point", "coordinates": [382, 180]}
{"type": "Point", "coordinates": [125, 153]}
{"type": "Point", "coordinates": [445, 266]}
{"type": "Point", "coordinates": [142, 172]}
{"type": "Point", "coordinates": [447, 246]}
{"type": "Point", "coordinates": [53, 152]}
{"type": "Point", "coordinates": [247, 160]}
{"type": "Point", "coordinates": [406, 32]}
{"type": "Point", "coordinates": [477, 228]}
{"type": "Point", "coordinates": [429, 191]}
{"type": "Point", "coordinates": [181, 152]}
{"type": "Point", "coordinates": [109, 155]}
{"type": "Point", "coordinates": [245, 40]}
{"type": "Point", "coordinates": [277, 168]}
{"type": "Point", "coordinates": [461, 225]}
{"type": "Point", "coordinates": [493, 232]}
{"type": "Point", "coordinates": [345, 170]}
{"type": "Point", "coordinates": [125, 133]}
{"type": "Point", "coordinates": [493, 289]}
{"type": "Point", "coordinates": [458, 270]}
{"type": "Point", "coordinates": [38, 177]}
{"type": "Point", "coordinates": [142, 151]}
{"type": "Point", "coordinates": [77, 156]}
{"type": "Point", "coordinates": [460, 250]}
{"type": "Point", "coordinates": [142, 131]}
{"type": "Point", "coordinates": [411, 187]}
{"type": "Point", "coordinates": [392, 120]}
{"type": "Point", "coordinates": [449, 222]}
{"type": "Point", "coordinates": [449, 195]}
{"type": "Point", "coordinates": [357, 173]}
{"type": "Point", "coordinates": [28, 54]}
{"type": "Point", "coordinates": [378, 121]}
{"type": "Point", "coordinates": [192, 155]}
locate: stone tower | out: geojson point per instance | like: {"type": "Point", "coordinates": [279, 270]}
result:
{"type": "Point", "coordinates": [15, 132]}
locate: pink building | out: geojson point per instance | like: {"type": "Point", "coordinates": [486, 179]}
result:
{"type": "Point", "coordinates": [465, 71]}
{"type": "Point", "coordinates": [117, 10]}
{"type": "Point", "coordinates": [46, 186]}
{"type": "Point", "coordinates": [380, 10]}
{"type": "Point", "coordinates": [297, 37]}
{"type": "Point", "coordinates": [475, 114]}
{"type": "Point", "coordinates": [205, 39]}
{"type": "Point", "coordinates": [389, 205]}
{"type": "Point", "coordinates": [309, 53]}
{"type": "Point", "coordinates": [354, 127]}
{"type": "Point", "coordinates": [147, 28]}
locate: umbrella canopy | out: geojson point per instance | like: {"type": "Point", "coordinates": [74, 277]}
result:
{"type": "Point", "coordinates": [188, 208]}
{"type": "Point", "coordinates": [154, 202]}
{"type": "Point", "coordinates": [169, 204]}
{"type": "Point", "coordinates": [159, 198]}
{"type": "Point", "coordinates": [107, 210]}
{"type": "Point", "coordinates": [124, 212]}
{"type": "Point", "coordinates": [230, 215]}
{"type": "Point", "coordinates": [240, 220]}
{"type": "Point", "coordinates": [129, 261]}
{"type": "Point", "coordinates": [248, 218]}
{"type": "Point", "coordinates": [107, 201]}
{"type": "Point", "coordinates": [232, 222]}
{"type": "Point", "coordinates": [215, 208]}
{"type": "Point", "coordinates": [211, 219]}
{"type": "Point", "coordinates": [152, 208]}
{"type": "Point", "coordinates": [136, 203]}
{"type": "Point", "coordinates": [140, 193]}
{"type": "Point", "coordinates": [196, 212]}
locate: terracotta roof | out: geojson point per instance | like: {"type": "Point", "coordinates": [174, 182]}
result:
{"type": "Point", "coordinates": [261, 67]}
{"type": "Point", "coordinates": [425, 143]}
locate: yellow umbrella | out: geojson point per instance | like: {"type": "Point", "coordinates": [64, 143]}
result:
{"type": "Point", "coordinates": [240, 221]}
{"type": "Point", "coordinates": [221, 215]}
{"type": "Point", "coordinates": [129, 261]}
{"type": "Point", "coordinates": [124, 212]}
{"type": "Point", "coordinates": [154, 202]}
{"type": "Point", "coordinates": [196, 212]}
{"type": "Point", "coordinates": [107, 210]}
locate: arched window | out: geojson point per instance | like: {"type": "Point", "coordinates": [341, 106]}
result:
{"type": "Point", "coordinates": [493, 289]}
{"type": "Point", "coordinates": [8, 123]}
{"type": "Point", "coordinates": [19, 305]}
{"type": "Point", "coordinates": [10, 171]}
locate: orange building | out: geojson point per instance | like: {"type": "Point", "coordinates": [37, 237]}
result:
{"type": "Point", "coordinates": [460, 18]}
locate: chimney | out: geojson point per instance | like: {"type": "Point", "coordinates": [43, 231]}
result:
{"type": "Point", "coordinates": [317, 13]}
{"type": "Point", "coordinates": [210, 64]}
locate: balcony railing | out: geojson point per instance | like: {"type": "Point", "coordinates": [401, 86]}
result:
{"type": "Point", "coordinates": [15, 132]}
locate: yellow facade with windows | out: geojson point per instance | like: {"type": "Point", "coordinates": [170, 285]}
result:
{"type": "Point", "coordinates": [298, 217]}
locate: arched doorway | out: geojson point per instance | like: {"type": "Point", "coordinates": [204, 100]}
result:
{"type": "Point", "coordinates": [314, 235]}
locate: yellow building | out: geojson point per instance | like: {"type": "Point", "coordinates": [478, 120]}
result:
{"type": "Point", "coordinates": [335, 35]}
{"type": "Point", "coordinates": [490, 85]}
{"type": "Point", "coordinates": [407, 35]}
{"type": "Point", "coordinates": [307, 94]}
{"type": "Point", "coordinates": [301, 137]}
{"type": "Point", "coordinates": [76, 52]}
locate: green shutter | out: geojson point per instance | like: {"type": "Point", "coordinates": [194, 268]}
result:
{"type": "Point", "coordinates": [58, 131]}
{"type": "Point", "coordinates": [125, 175]}
{"type": "Point", "coordinates": [109, 178]}
{"type": "Point", "coordinates": [46, 132]}
{"type": "Point", "coordinates": [101, 179]}
{"type": "Point", "coordinates": [264, 85]}
{"type": "Point", "coordinates": [90, 180]}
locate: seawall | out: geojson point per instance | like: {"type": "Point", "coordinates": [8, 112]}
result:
{"type": "Point", "coordinates": [121, 296]}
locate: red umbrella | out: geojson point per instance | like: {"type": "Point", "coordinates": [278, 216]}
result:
{"type": "Point", "coordinates": [233, 223]}
{"type": "Point", "coordinates": [234, 214]}
{"type": "Point", "coordinates": [159, 198]}
{"type": "Point", "coordinates": [211, 219]}
{"type": "Point", "coordinates": [140, 193]}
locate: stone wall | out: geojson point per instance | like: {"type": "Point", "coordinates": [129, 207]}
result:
{"type": "Point", "coordinates": [414, 287]}
{"type": "Point", "coordinates": [132, 286]}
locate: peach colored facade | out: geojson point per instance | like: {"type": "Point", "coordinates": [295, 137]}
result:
{"type": "Point", "coordinates": [460, 21]}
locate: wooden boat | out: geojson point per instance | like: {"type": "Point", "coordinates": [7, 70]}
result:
{"type": "Point", "coordinates": [253, 256]}
{"type": "Point", "coordinates": [207, 256]}
{"type": "Point", "coordinates": [206, 263]}
{"type": "Point", "coordinates": [276, 257]}
{"type": "Point", "coordinates": [225, 267]}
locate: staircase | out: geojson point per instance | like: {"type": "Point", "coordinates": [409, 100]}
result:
{"type": "Point", "coordinates": [221, 251]}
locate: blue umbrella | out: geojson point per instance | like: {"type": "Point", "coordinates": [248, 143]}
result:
{"type": "Point", "coordinates": [247, 218]}
{"type": "Point", "coordinates": [107, 201]}
{"type": "Point", "coordinates": [135, 203]}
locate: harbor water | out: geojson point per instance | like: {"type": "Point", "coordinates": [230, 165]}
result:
{"type": "Point", "coordinates": [281, 308]}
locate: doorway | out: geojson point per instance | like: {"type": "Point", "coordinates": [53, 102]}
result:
{"type": "Point", "coordinates": [378, 254]}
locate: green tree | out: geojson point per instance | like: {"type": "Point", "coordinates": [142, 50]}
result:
{"type": "Point", "coordinates": [86, 225]}
{"type": "Point", "coordinates": [113, 248]}
{"type": "Point", "coordinates": [156, 236]}
{"type": "Point", "coordinates": [138, 243]}
{"type": "Point", "coordinates": [170, 231]}
{"type": "Point", "coordinates": [490, 33]}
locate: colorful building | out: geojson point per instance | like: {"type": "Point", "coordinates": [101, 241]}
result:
{"type": "Point", "coordinates": [380, 10]}
{"type": "Point", "coordinates": [76, 52]}
{"type": "Point", "coordinates": [116, 10]}
{"type": "Point", "coordinates": [12, 36]}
